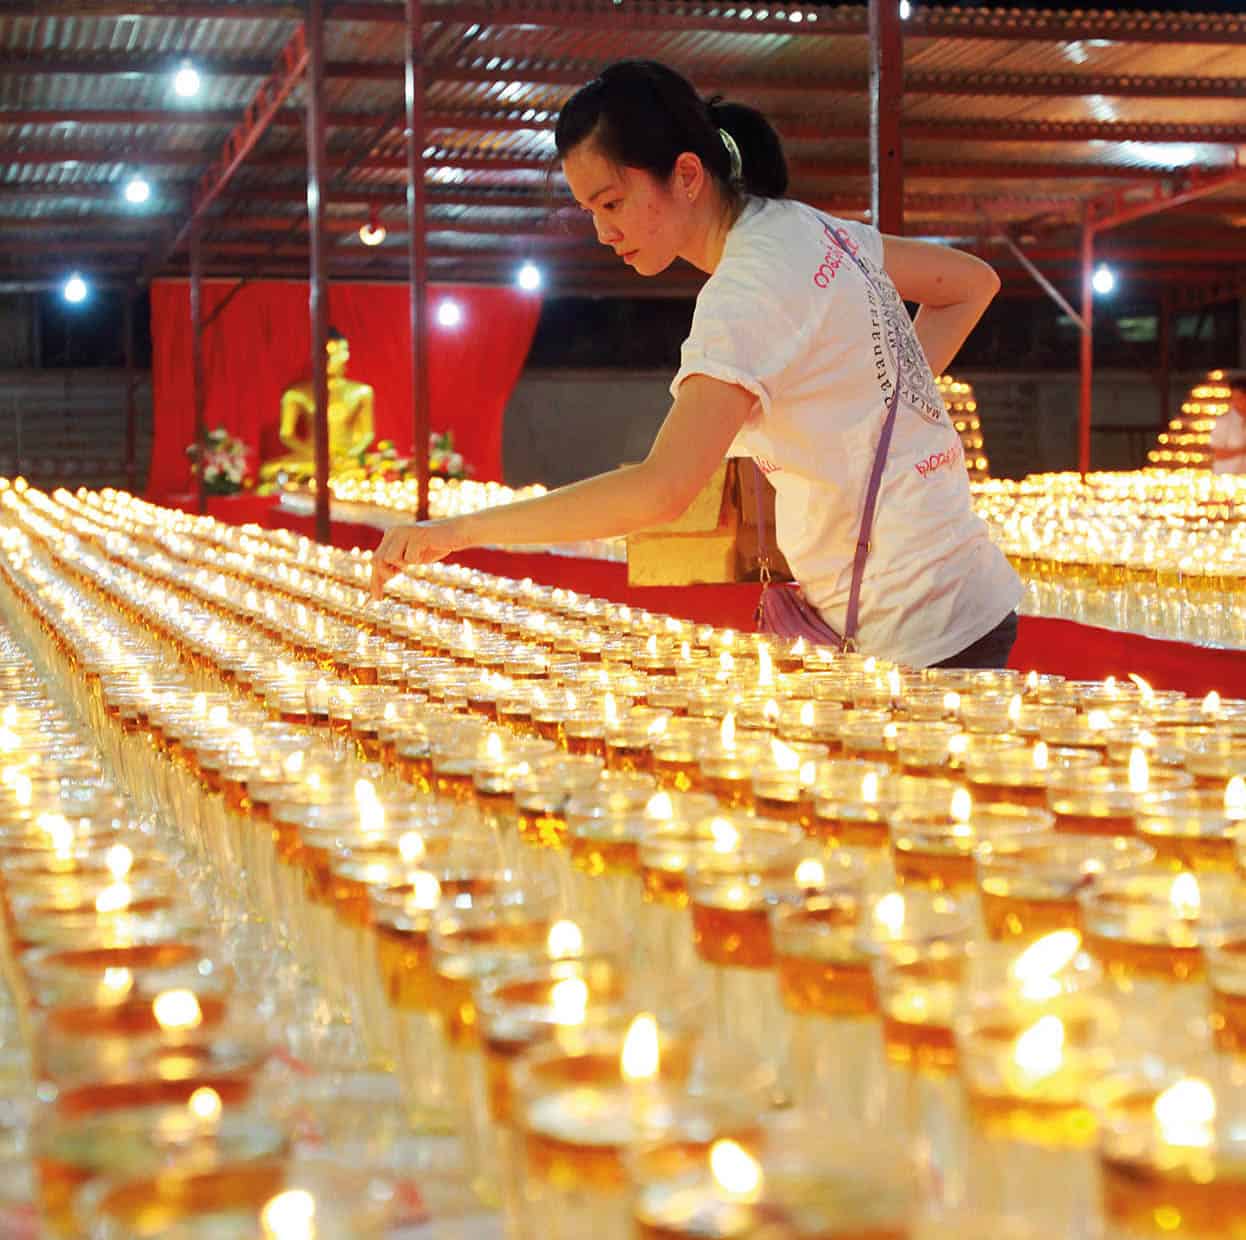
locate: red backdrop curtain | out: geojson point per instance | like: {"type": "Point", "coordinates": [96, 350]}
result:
{"type": "Point", "coordinates": [261, 344]}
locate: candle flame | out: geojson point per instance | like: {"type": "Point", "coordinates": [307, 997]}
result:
{"type": "Point", "coordinates": [1235, 797]}
{"type": "Point", "coordinates": [10, 715]}
{"type": "Point", "coordinates": [870, 665]}
{"type": "Point", "coordinates": [962, 806]}
{"type": "Point", "coordinates": [657, 728]}
{"type": "Point", "coordinates": [1185, 897]}
{"type": "Point", "coordinates": [23, 790]}
{"type": "Point", "coordinates": [119, 861]}
{"type": "Point", "coordinates": [411, 847]}
{"type": "Point", "coordinates": [114, 986]}
{"type": "Point", "coordinates": [569, 999]}
{"type": "Point", "coordinates": [806, 715]}
{"type": "Point", "coordinates": [1145, 692]}
{"type": "Point", "coordinates": [641, 1059]}
{"type": "Point", "coordinates": [371, 817]}
{"type": "Point", "coordinates": [893, 683]}
{"type": "Point", "coordinates": [1036, 967]}
{"type": "Point", "coordinates": [113, 898]}
{"type": "Point", "coordinates": [219, 716]}
{"type": "Point", "coordinates": [958, 745]}
{"type": "Point", "coordinates": [294, 763]}
{"type": "Point", "coordinates": [951, 702]}
{"type": "Point", "coordinates": [771, 711]}
{"type": "Point", "coordinates": [1042, 756]}
{"type": "Point", "coordinates": [365, 792]}
{"type": "Point", "coordinates": [727, 731]}
{"type": "Point", "coordinates": [811, 873]}
{"type": "Point", "coordinates": [651, 646]}
{"type": "Point", "coordinates": [736, 1171]}
{"type": "Point", "coordinates": [784, 757]}
{"type": "Point", "coordinates": [685, 651]}
{"type": "Point", "coordinates": [1098, 720]}
{"type": "Point", "coordinates": [1139, 770]}
{"type": "Point", "coordinates": [889, 913]}
{"type": "Point", "coordinates": [808, 774]}
{"type": "Point", "coordinates": [1211, 705]}
{"type": "Point", "coordinates": [290, 1215]}
{"type": "Point", "coordinates": [726, 838]}
{"type": "Point", "coordinates": [493, 746]}
{"type": "Point", "coordinates": [199, 705]}
{"type": "Point", "coordinates": [660, 807]}
{"type": "Point", "coordinates": [177, 1011]}
{"type": "Point", "coordinates": [565, 940]}
{"type": "Point", "coordinates": [799, 648]}
{"type": "Point", "coordinates": [1185, 1113]}
{"type": "Point", "coordinates": [1039, 1051]}
{"type": "Point", "coordinates": [610, 709]}
{"type": "Point", "coordinates": [205, 1104]}
{"type": "Point", "coordinates": [869, 787]}
{"type": "Point", "coordinates": [1014, 709]}
{"type": "Point", "coordinates": [765, 668]}
{"type": "Point", "coordinates": [425, 893]}
{"type": "Point", "coordinates": [1031, 682]}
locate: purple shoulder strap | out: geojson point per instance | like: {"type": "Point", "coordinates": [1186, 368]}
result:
{"type": "Point", "coordinates": [870, 504]}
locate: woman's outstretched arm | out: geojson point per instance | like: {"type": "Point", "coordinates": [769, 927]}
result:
{"type": "Point", "coordinates": [952, 288]}
{"type": "Point", "coordinates": [691, 443]}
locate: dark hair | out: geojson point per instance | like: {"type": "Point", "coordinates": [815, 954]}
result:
{"type": "Point", "coordinates": [643, 114]}
{"type": "Point", "coordinates": [1237, 383]}
{"type": "Point", "coordinates": [334, 334]}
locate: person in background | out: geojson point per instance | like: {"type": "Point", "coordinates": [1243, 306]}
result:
{"type": "Point", "coordinates": [800, 338]}
{"type": "Point", "coordinates": [1228, 436]}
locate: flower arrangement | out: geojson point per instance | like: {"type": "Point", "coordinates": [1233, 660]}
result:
{"type": "Point", "coordinates": [443, 460]}
{"type": "Point", "coordinates": [223, 458]}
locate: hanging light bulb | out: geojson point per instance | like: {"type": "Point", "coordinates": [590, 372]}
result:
{"type": "Point", "coordinates": [373, 232]}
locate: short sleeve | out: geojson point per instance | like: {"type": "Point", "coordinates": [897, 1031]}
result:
{"type": "Point", "coordinates": [867, 237]}
{"type": "Point", "coordinates": [743, 330]}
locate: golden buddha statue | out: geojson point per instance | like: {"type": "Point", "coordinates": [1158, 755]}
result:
{"type": "Point", "coordinates": [350, 422]}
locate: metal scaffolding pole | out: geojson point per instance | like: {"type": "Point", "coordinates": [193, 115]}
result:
{"type": "Point", "coordinates": [197, 376]}
{"type": "Point", "coordinates": [886, 102]}
{"type": "Point", "coordinates": [318, 298]}
{"type": "Point", "coordinates": [1088, 346]}
{"type": "Point", "coordinates": [417, 246]}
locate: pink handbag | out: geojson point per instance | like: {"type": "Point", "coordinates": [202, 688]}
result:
{"type": "Point", "coordinates": [783, 609]}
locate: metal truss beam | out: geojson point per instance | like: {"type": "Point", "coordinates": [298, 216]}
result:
{"type": "Point", "coordinates": [923, 23]}
{"type": "Point", "coordinates": [1123, 206]}
{"type": "Point", "coordinates": [795, 128]}
{"type": "Point", "coordinates": [264, 105]}
{"type": "Point", "coordinates": [916, 82]}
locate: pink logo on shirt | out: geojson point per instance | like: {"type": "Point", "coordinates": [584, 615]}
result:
{"type": "Point", "coordinates": [940, 460]}
{"type": "Point", "coordinates": [766, 467]}
{"type": "Point", "coordinates": [833, 259]}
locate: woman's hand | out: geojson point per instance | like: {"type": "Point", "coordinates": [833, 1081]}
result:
{"type": "Point", "coordinates": [411, 544]}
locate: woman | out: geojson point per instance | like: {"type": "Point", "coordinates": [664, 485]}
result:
{"type": "Point", "coordinates": [793, 355]}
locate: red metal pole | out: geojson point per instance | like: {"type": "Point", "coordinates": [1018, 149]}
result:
{"type": "Point", "coordinates": [886, 102]}
{"type": "Point", "coordinates": [196, 354]}
{"type": "Point", "coordinates": [1165, 357]}
{"type": "Point", "coordinates": [417, 246]}
{"type": "Point", "coordinates": [131, 410]}
{"type": "Point", "coordinates": [1088, 350]}
{"type": "Point", "coordinates": [317, 238]}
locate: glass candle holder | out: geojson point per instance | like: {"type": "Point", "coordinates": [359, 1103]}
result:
{"type": "Point", "coordinates": [854, 798]}
{"type": "Point", "coordinates": [1031, 887]}
{"type": "Point", "coordinates": [1224, 951]}
{"type": "Point", "coordinates": [1170, 1153]}
{"type": "Point", "coordinates": [1104, 800]}
{"type": "Point", "coordinates": [1019, 776]}
{"type": "Point", "coordinates": [791, 1179]}
{"type": "Point", "coordinates": [1152, 926]}
{"type": "Point", "coordinates": [935, 848]}
{"type": "Point", "coordinates": [920, 942]}
{"type": "Point", "coordinates": [1193, 829]}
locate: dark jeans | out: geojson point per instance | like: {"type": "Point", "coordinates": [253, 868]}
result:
{"type": "Point", "coordinates": [989, 651]}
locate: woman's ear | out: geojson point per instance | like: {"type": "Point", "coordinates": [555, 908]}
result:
{"type": "Point", "coordinates": [689, 176]}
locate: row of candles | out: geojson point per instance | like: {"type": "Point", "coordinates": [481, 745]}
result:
{"type": "Point", "coordinates": [687, 933]}
{"type": "Point", "coordinates": [1155, 551]}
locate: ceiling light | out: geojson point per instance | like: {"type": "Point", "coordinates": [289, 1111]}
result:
{"type": "Point", "coordinates": [529, 277]}
{"type": "Point", "coordinates": [1104, 279]}
{"type": "Point", "coordinates": [906, 10]}
{"type": "Point", "coordinates": [449, 313]}
{"type": "Point", "coordinates": [75, 290]}
{"type": "Point", "coordinates": [137, 191]}
{"type": "Point", "coordinates": [186, 81]}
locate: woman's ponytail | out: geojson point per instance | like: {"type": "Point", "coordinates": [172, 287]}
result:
{"type": "Point", "coordinates": [643, 114]}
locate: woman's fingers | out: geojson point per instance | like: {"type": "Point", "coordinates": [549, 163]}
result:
{"type": "Point", "coordinates": [388, 558]}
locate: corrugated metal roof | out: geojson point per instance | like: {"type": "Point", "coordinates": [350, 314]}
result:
{"type": "Point", "coordinates": [86, 101]}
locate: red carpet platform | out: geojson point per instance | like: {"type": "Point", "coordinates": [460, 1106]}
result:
{"type": "Point", "coordinates": [1079, 651]}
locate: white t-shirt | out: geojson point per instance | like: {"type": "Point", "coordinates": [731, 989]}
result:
{"type": "Point", "coordinates": [789, 317]}
{"type": "Point", "coordinates": [1229, 435]}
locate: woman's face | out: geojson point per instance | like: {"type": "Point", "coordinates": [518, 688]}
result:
{"type": "Point", "coordinates": [645, 222]}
